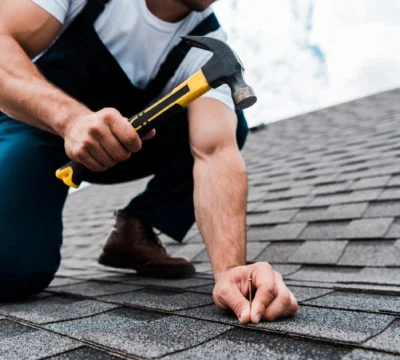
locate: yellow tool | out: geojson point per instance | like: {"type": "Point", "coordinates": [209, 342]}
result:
{"type": "Point", "coordinates": [224, 67]}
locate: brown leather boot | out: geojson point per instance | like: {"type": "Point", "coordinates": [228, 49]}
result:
{"type": "Point", "coordinates": [134, 245]}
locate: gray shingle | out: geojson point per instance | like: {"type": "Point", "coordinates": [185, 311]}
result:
{"type": "Point", "coordinates": [293, 203]}
{"type": "Point", "coordinates": [324, 230]}
{"type": "Point", "coordinates": [369, 355]}
{"type": "Point", "coordinates": [53, 308]}
{"type": "Point", "coordinates": [254, 249]}
{"type": "Point", "coordinates": [168, 283]}
{"type": "Point", "coordinates": [326, 274]}
{"type": "Point", "coordinates": [22, 342]}
{"type": "Point", "coordinates": [84, 353]}
{"type": "Point", "coordinates": [285, 231]}
{"type": "Point", "coordinates": [240, 344]}
{"type": "Point", "coordinates": [141, 333]}
{"type": "Point", "coordinates": [394, 231]}
{"type": "Point", "coordinates": [303, 293]}
{"type": "Point", "coordinates": [279, 252]}
{"type": "Point", "coordinates": [189, 251]}
{"type": "Point", "coordinates": [389, 340]}
{"type": "Point", "coordinates": [317, 252]}
{"type": "Point", "coordinates": [389, 276]}
{"type": "Point", "coordinates": [372, 182]}
{"type": "Point", "coordinates": [383, 209]}
{"type": "Point", "coordinates": [95, 288]}
{"type": "Point", "coordinates": [359, 301]}
{"type": "Point", "coordinates": [257, 233]}
{"type": "Point", "coordinates": [390, 194]}
{"type": "Point", "coordinates": [342, 325]}
{"type": "Point", "coordinates": [368, 228]}
{"type": "Point", "coordinates": [160, 300]}
{"type": "Point", "coordinates": [286, 269]}
{"type": "Point", "coordinates": [346, 197]}
{"type": "Point", "coordinates": [61, 281]}
{"type": "Point", "coordinates": [372, 253]}
{"type": "Point", "coordinates": [272, 217]}
{"type": "Point", "coordinates": [334, 212]}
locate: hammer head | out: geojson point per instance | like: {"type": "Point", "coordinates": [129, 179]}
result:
{"type": "Point", "coordinates": [224, 67]}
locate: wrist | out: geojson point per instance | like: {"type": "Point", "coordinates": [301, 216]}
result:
{"type": "Point", "coordinates": [67, 116]}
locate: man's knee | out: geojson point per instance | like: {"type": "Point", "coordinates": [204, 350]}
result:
{"type": "Point", "coordinates": [25, 275]}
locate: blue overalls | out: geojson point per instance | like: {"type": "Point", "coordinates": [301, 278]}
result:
{"type": "Point", "coordinates": [32, 198]}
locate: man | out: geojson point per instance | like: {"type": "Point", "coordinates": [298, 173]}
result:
{"type": "Point", "coordinates": [97, 62]}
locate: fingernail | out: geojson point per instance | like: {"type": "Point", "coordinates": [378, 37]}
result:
{"type": "Point", "coordinates": [257, 318]}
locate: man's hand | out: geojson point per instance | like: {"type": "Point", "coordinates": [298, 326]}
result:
{"type": "Point", "coordinates": [102, 139]}
{"type": "Point", "coordinates": [272, 299]}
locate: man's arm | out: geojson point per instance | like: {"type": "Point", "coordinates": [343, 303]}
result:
{"type": "Point", "coordinates": [97, 140]}
{"type": "Point", "coordinates": [220, 197]}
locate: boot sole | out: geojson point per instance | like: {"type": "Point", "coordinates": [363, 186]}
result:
{"type": "Point", "coordinates": [174, 272]}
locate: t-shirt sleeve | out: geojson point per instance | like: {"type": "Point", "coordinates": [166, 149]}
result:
{"type": "Point", "coordinates": [57, 8]}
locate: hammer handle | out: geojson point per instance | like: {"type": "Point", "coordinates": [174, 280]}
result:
{"type": "Point", "coordinates": [73, 173]}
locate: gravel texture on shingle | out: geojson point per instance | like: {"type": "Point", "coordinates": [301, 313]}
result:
{"type": "Point", "coordinates": [372, 253]}
{"type": "Point", "coordinates": [279, 252]}
{"type": "Point", "coordinates": [324, 230]}
{"type": "Point", "coordinates": [317, 252]}
{"type": "Point", "coordinates": [383, 209]}
{"type": "Point", "coordinates": [53, 308]}
{"type": "Point", "coordinates": [326, 274]}
{"type": "Point", "coordinates": [241, 344]}
{"type": "Point", "coordinates": [369, 355]}
{"type": "Point", "coordinates": [388, 340]}
{"type": "Point", "coordinates": [95, 288]}
{"type": "Point", "coordinates": [303, 293]}
{"type": "Point", "coordinates": [168, 283]}
{"type": "Point", "coordinates": [22, 342]}
{"type": "Point", "coordinates": [368, 228]}
{"type": "Point", "coordinates": [141, 333]}
{"type": "Point", "coordinates": [357, 301]}
{"type": "Point", "coordinates": [84, 353]}
{"type": "Point", "coordinates": [62, 281]}
{"type": "Point", "coordinates": [271, 217]}
{"type": "Point", "coordinates": [162, 300]}
{"type": "Point", "coordinates": [341, 325]}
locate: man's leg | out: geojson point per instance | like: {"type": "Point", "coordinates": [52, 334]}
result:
{"type": "Point", "coordinates": [30, 208]}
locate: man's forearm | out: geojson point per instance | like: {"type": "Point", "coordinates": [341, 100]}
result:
{"type": "Point", "coordinates": [27, 96]}
{"type": "Point", "coordinates": [220, 197]}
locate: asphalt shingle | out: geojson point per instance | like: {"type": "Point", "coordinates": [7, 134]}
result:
{"type": "Point", "coordinates": [239, 344]}
{"type": "Point", "coordinates": [141, 333]}
{"type": "Point", "coordinates": [341, 325]}
{"type": "Point", "coordinates": [369, 355]}
{"type": "Point", "coordinates": [84, 353]}
{"type": "Point", "coordinates": [279, 252]}
{"type": "Point", "coordinates": [271, 217]}
{"type": "Point", "coordinates": [334, 212]}
{"type": "Point", "coordinates": [53, 308]}
{"type": "Point", "coordinates": [357, 301]}
{"type": "Point", "coordinates": [383, 209]}
{"type": "Point", "coordinates": [388, 340]}
{"type": "Point", "coordinates": [22, 342]}
{"type": "Point", "coordinates": [157, 299]}
{"type": "Point", "coordinates": [316, 252]}
{"type": "Point", "coordinates": [324, 230]}
{"type": "Point", "coordinates": [372, 253]}
{"type": "Point", "coordinates": [368, 228]}
{"type": "Point", "coordinates": [95, 288]}
{"type": "Point", "coordinates": [303, 293]}
{"type": "Point", "coordinates": [285, 231]}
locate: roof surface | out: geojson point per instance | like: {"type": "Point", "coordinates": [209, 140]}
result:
{"type": "Point", "coordinates": [324, 209]}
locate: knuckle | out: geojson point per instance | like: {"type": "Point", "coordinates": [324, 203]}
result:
{"type": "Point", "coordinates": [286, 300]}
{"type": "Point", "coordinates": [272, 290]}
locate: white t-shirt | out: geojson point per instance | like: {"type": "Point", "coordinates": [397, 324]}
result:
{"type": "Point", "coordinates": [140, 41]}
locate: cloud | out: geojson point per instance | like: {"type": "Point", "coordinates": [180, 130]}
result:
{"type": "Point", "coordinates": [302, 55]}
{"type": "Point", "coordinates": [360, 41]}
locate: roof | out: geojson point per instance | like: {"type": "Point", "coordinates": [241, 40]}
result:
{"type": "Point", "coordinates": [324, 209]}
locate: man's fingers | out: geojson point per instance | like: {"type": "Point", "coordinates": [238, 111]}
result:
{"type": "Point", "coordinates": [263, 280]}
{"type": "Point", "coordinates": [232, 298]}
{"type": "Point", "coordinates": [285, 304]}
{"type": "Point", "coordinates": [149, 135]}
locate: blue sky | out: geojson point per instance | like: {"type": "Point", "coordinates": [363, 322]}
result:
{"type": "Point", "coordinates": [301, 55]}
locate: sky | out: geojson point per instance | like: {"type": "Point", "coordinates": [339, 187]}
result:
{"type": "Point", "coordinates": [303, 55]}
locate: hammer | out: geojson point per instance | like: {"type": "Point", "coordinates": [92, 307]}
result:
{"type": "Point", "coordinates": [224, 67]}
